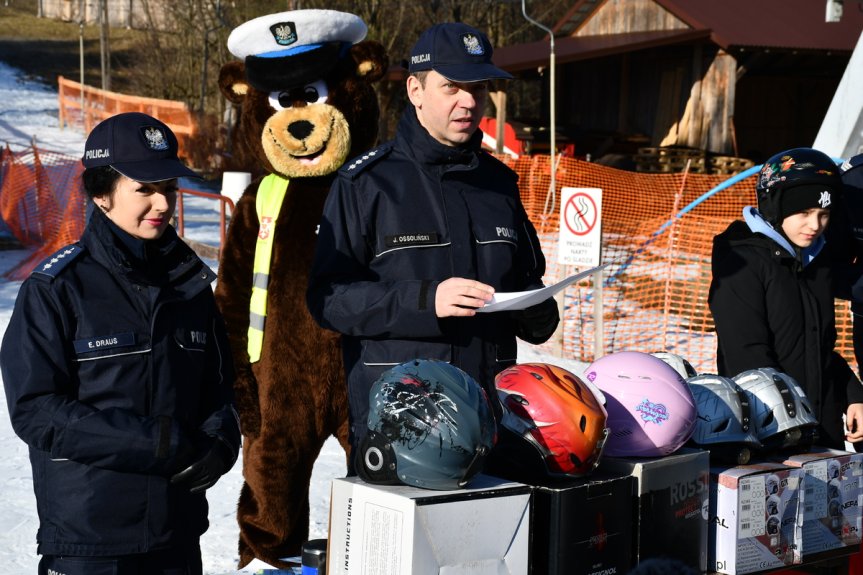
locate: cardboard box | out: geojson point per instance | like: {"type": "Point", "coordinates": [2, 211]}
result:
{"type": "Point", "coordinates": [673, 504]}
{"type": "Point", "coordinates": [831, 503]}
{"type": "Point", "coordinates": [753, 517]}
{"type": "Point", "coordinates": [401, 530]}
{"type": "Point", "coordinates": [584, 526]}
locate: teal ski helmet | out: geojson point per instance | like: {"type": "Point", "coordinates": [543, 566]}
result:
{"type": "Point", "coordinates": [430, 425]}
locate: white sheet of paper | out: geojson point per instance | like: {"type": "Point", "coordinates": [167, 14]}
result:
{"type": "Point", "coordinates": [524, 299]}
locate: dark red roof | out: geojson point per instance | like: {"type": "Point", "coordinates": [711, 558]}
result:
{"type": "Point", "coordinates": [533, 55]}
{"type": "Point", "coordinates": [731, 24]}
{"type": "Point", "coordinates": [787, 24]}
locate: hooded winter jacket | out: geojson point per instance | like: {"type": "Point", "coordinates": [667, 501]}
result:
{"type": "Point", "coordinates": [399, 221]}
{"type": "Point", "coordinates": [773, 307]}
{"type": "Point", "coordinates": [117, 372]}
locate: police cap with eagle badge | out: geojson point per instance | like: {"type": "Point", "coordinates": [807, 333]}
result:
{"type": "Point", "coordinates": [314, 40]}
{"type": "Point", "coordinates": [457, 52]}
{"type": "Point", "coordinates": [138, 146]}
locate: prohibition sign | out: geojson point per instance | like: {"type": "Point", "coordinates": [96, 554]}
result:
{"type": "Point", "coordinates": [579, 214]}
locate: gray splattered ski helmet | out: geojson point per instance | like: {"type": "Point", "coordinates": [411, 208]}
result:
{"type": "Point", "coordinates": [724, 415]}
{"type": "Point", "coordinates": [782, 413]}
{"type": "Point", "coordinates": [430, 425]}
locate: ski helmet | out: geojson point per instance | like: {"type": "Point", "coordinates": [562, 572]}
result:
{"type": "Point", "coordinates": [781, 411]}
{"type": "Point", "coordinates": [556, 413]}
{"type": "Point", "coordinates": [651, 411]}
{"type": "Point", "coordinates": [796, 179]}
{"type": "Point", "coordinates": [678, 362]}
{"type": "Point", "coordinates": [724, 416]}
{"type": "Point", "coordinates": [430, 425]}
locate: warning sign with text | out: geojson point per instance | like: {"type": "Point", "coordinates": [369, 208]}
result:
{"type": "Point", "coordinates": [580, 229]}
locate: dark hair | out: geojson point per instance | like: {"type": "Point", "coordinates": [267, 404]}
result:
{"type": "Point", "coordinates": [99, 181]}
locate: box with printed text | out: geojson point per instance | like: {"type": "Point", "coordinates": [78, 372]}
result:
{"type": "Point", "coordinates": [753, 517]}
{"type": "Point", "coordinates": [831, 502]}
{"type": "Point", "coordinates": [584, 526]}
{"type": "Point", "coordinates": [401, 530]}
{"type": "Point", "coordinates": [672, 504]}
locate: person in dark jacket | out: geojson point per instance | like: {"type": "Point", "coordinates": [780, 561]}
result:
{"type": "Point", "coordinates": [117, 372]}
{"type": "Point", "coordinates": [850, 231]}
{"type": "Point", "coordinates": [418, 234]}
{"type": "Point", "coordinates": [772, 294]}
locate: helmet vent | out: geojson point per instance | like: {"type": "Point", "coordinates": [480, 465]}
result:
{"type": "Point", "coordinates": [721, 426]}
{"type": "Point", "coordinates": [582, 424]}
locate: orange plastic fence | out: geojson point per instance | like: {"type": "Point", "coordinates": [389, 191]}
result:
{"type": "Point", "coordinates": [41, 201]}
{"type": "Point", "coordinates": [44, 205]}
{"type": "Point", "coordinates": [656, 283]}
{"type": "Point", "coordinates": [85, 106]}
{"type": "Point", "coordinates": [655, 289]}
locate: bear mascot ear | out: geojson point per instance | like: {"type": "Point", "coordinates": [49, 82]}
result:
{"type": "Point", "coordinates": [354, 95]}
{"type": "Point", "coordinates": [371, 60]}
{"type": "Point", "coordinates": [233, 83]}
{"type": "Point", "coordinates": [247, 154]}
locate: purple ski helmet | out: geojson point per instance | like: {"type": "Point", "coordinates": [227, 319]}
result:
{"type": "Point", "coordinates": [651, 410]}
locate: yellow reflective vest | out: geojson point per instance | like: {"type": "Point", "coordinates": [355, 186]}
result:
{"type": "Point", "coordinates": [271, 193]}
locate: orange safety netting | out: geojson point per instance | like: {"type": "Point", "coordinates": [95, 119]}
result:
{"type": "Point", "coordinates": [41, 201]}
{"type": "Point", "coordinates": [85, 106]}
{"type": "Point", "coordinates": [654, 295]}
{"type": "Point", "coordinates": [655, 288]}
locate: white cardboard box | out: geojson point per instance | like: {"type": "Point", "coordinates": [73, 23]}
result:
{"type": "Point", "coordinates": [401, 530]}
{"type": "Point", "coordinates": [831, 503]}
{"type": "Point", "coordinates": [753, 512]}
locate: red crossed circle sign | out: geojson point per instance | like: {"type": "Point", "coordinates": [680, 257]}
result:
{"type": "Point", "coordinates": [580, 214]}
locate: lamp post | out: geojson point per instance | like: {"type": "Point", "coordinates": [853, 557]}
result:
{"type": "Point", "coordinates": [81, 18]}
{"type": "Point", "coordinates": [103, 45]}
{"type": "Point", "coordinates": [552, 97]}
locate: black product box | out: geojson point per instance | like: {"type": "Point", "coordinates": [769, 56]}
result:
{"type": "Point", "coordinates": [673, 504]}
{"type": "Point", "coordinates": [584, 526]}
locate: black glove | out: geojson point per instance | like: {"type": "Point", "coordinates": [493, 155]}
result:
{"type": "Point", "coordinates": [536, 324]}
{"type": "Point", "coordinates": [208, 468]}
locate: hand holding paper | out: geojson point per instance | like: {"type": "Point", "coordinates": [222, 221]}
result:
{"type": "Point", "coordinates": [524, 299]}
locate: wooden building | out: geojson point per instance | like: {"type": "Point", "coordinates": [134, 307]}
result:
{"type": "Point", "coordinates": [121, 13]}
{"type": "Point", "coordinates": [735, 77]}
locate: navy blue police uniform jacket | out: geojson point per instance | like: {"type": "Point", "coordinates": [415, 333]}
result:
{"type": "Point", "coordinates": [397, 222]}
{"type": "Point", "coordinates": [114, 380]}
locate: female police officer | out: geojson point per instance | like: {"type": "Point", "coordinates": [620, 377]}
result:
{"type": "Point", "coordinates": [117, 374]}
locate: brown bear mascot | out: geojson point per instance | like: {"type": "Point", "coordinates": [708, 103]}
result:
{"type": "Point", "coordinates": [306, 105]}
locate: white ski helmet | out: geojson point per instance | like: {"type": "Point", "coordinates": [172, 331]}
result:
{"type": "Point", "coordinates": [678, 362]}
{"type": "Point", "coordinates": [783, 416]}
{"type": "Point", "coordinates": [724, 417]}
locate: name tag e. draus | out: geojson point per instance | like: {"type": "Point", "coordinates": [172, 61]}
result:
{"type": "Point", "coordinates": [411, 239]}
{"type": "Point", "coordinates": [104, 342]}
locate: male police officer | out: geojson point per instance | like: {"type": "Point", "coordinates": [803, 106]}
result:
{"type": "Point", "coordinates": [418, 234]}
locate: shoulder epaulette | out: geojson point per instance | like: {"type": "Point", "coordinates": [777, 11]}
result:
{"type": "Point", "coordinates": [851, 163]}
{"type": "Point", "coordinates": [57, 262]}
{"type": "Point", "coordinates": [358, 164]}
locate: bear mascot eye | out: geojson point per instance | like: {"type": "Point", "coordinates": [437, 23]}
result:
{"type": "Point", "coordinates": [314, 93]}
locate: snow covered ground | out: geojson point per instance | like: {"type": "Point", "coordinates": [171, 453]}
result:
{"type": "Point", "coordinates": [29, 114]}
